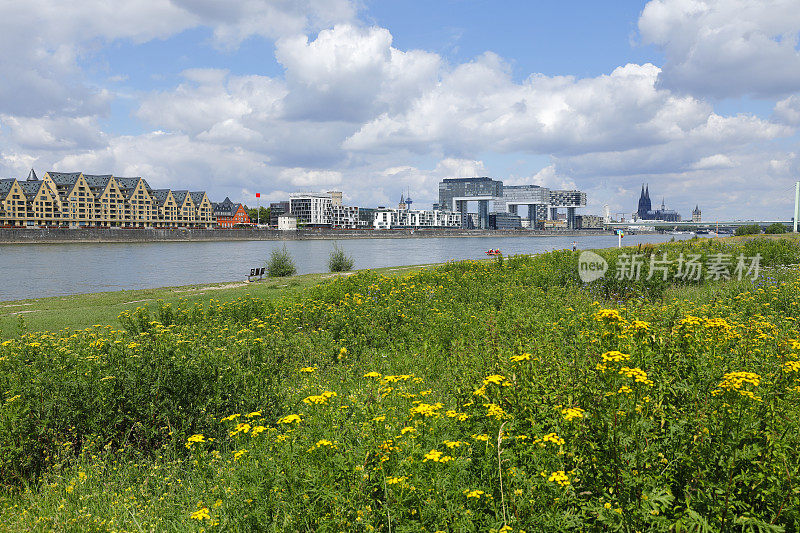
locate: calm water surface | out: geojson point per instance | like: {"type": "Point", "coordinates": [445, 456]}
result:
{"type": "Point", "coordinates": [39, 270]}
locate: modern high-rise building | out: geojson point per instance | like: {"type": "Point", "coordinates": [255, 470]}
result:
{"type": "Point", "coordinates": [542, 203]}
{"type": "Point", "coordinates": [455, 193]}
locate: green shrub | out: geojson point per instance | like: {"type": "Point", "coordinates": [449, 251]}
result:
{"type": "Point", "coordinates": [280, 263]}
{"type": "Point", "coordinates": [339, 261]}
{"type": "Point", "coordinates": [775, 228]}
{"type": "Point", "coordinates": [751, 229]}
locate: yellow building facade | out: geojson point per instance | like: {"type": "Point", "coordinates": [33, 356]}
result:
{"type": "Point", "coordinates": [78, 200]}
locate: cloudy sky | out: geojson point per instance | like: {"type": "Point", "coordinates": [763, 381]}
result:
{"type": "Point", "coordinates": [700, 99]}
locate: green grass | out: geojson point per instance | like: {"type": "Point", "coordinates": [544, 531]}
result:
{"type": "Point", "coordinates": [83, 310]}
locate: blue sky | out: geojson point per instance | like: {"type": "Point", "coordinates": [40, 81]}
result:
{"type": "Point", "coordinates": [699, 99]}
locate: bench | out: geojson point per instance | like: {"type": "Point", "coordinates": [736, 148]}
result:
{"type": "Point", "coordinates": [256, 274]}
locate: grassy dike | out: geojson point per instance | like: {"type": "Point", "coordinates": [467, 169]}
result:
{"type": "Point", "coordinates": [471, 396]}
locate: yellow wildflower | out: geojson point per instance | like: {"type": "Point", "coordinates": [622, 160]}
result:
{"type": "Point", "coordinates": [559, 477]}
{"type": "Point", "coordinates": [497, 379]}
{"type": "Point", "coordinates": [194, 438]}
{"type": "Point", "coordinates": [425, 409]}
{"type": "Point", "coordinates": [201, 514]}
{"type": "Point", "coordinates": [610, 316]}
{"type": "Point", "coordinates": [241, 427]}
{"type": "Point", "coordinates": [552, 437]}
{"type": "Point", "coordinates": [433, 455]}
{"type": "Point", "coordinates": [238, 454]}
{"type": "Point", "coordinates": [570, 413]}
{"type": "Point", "coordinates": [290, 419]}
{"type": "Point", "coordinates": [615, 356]}
{"type": "Point", "coordinates": [495, 411]}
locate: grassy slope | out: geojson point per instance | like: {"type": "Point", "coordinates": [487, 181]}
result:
{"type": "Point", "coordinates": [83, 310]}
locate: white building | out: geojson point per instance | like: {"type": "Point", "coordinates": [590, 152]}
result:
{"type": "Point", "coordinates": [312, 208]}
{"type": "Point", "coordinates": [397, 218]}
{"type": "Point", "coordinates": [287, 223]}
{"type": "Point", "coordinates": [385, 218]}
{"type": "Point", "coordinates": [343, 216]}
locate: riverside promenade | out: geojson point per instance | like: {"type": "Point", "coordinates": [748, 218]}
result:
{"type": "Point", "coordinates": [132, 235]}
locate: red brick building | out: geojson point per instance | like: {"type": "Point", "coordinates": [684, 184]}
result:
{"type": "Point", "coordinates": [229, 214]}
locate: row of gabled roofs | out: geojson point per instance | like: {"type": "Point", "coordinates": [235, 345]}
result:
{"type": "Point", "coordinates": [68, 180]}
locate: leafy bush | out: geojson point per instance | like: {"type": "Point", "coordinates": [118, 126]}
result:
{"type": "Point", "coordinates": [751, 229]}
{"type": "Point", "coordinates": [280, 263]}
{"type": "Point", "coordinates": [339, 261]}
{"type": "Point", "coordinates": [775, 228]}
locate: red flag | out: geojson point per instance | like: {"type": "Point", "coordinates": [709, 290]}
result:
{"type": "Point", "coordinates": [258, 195]}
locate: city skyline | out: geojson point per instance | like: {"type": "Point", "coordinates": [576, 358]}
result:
{"type": "Point", "coordinates": [700, 100]}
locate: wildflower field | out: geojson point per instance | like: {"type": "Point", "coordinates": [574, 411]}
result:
{"type": "Point", "coordinates": [473, 396]}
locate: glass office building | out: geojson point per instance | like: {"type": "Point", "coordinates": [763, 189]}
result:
{"type": "Point", "coordinates": [455, 193]}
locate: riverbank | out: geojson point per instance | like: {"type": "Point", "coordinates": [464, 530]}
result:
{"type": "Point", "coordinates": [80, 311]}
{"type": "Point", "coordinates": [133, 235]}
{"type": "Point", "coordinates": [41, 270]}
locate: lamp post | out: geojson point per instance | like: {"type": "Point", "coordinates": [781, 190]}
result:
{"type": "Point", "coordinates": [796, 204]}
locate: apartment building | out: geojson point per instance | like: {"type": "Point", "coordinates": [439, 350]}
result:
{"type": "Point", "coordinates": [13, 203]}
{"type": "Point", "coordinates": [311, 208]}
{"type": "Point", "coordinates": [343, 216]}
{"type": "Point", "coordinates": [406, 218]}
{"type": "Point", "coordinates": [74, 199]}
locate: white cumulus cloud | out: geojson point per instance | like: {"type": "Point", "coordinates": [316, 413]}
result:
{"type": "Point", "coordinates": [725, 48]}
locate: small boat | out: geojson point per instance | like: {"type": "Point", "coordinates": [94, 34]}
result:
{"type": "Point", "coordinates": [494, 252]}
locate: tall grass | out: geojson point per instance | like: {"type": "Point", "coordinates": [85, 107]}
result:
{"type": "Point", "coordinates": [475, 396]}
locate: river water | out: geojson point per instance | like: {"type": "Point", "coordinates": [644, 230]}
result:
{"type": "Point", "coordinates": [39, 270]}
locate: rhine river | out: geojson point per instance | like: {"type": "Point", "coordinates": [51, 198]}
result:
{"type": "Point", "coordinates": [40, 270]}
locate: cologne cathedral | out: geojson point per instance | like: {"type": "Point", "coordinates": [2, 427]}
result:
{"type": "Point", "coordinates": [645, 210]}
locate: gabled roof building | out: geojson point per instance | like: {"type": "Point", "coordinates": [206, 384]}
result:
{"type": "Point", "coordinates": [229, 214]}
{"type": "Point", "coordinates": [75, 199]}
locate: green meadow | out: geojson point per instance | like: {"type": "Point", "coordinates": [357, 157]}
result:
{"type": "Point", "coordinates": [502, 395]}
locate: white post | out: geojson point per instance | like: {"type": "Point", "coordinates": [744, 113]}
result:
{"type": "Point", "coordinates": [796, 204]}
{"type": "Point", "coordinates": [619, 238]}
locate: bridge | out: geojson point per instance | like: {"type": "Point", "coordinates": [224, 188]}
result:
{"type": "Point", "coordinates": [690, 224]}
